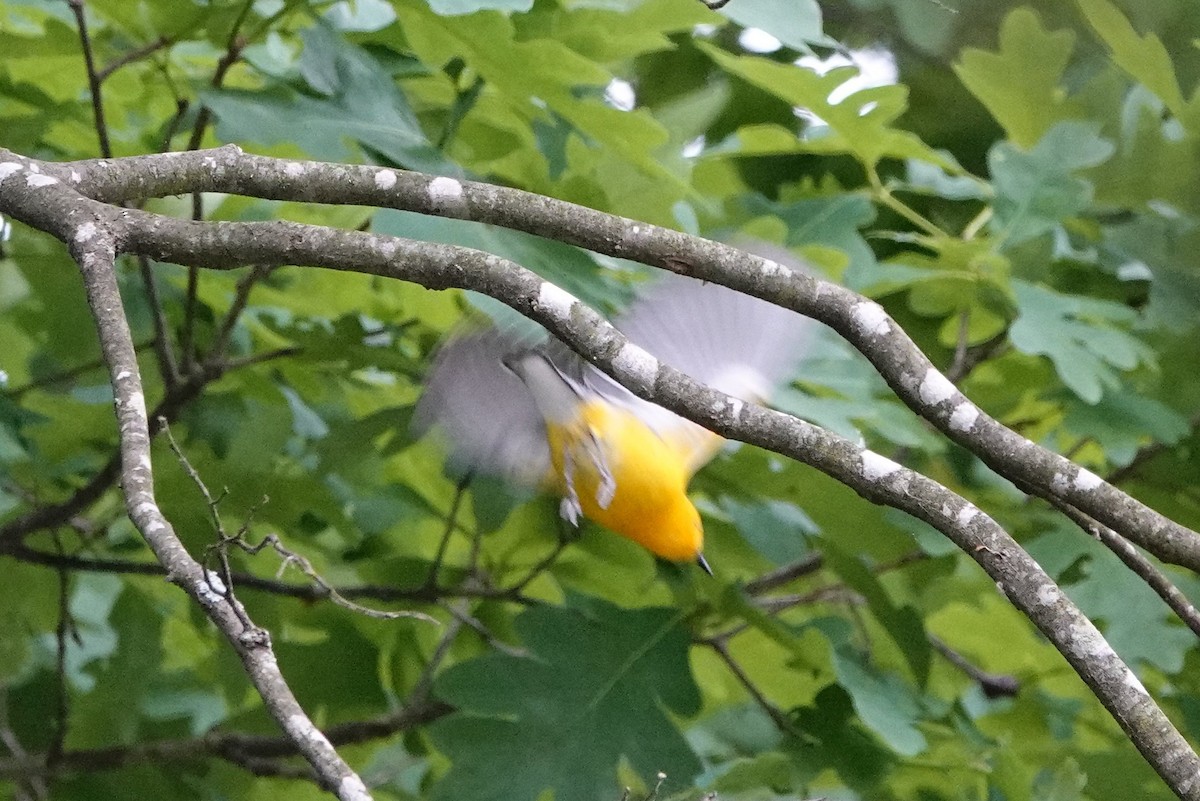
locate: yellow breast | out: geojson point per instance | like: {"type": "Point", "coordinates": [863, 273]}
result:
{"type": "Point", "coordinates": [624, 476]}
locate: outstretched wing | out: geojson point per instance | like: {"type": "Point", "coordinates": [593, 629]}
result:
{"type": "Point", "coordinates": [489, 417]}
{"type": "Point", "coordinates": [735, 343]}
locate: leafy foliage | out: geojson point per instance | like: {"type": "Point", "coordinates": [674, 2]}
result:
{"type": "Point", "coordinates": [1020, 196]}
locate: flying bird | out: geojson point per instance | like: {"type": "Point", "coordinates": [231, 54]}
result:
{"type": "Point", "coordinates": [538, 416]}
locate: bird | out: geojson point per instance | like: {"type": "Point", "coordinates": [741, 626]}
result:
{"type": "Point", "coordinates": [530, 411]}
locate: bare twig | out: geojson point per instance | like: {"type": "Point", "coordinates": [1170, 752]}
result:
{"type": "Point", "coordinates": [242, 749]}
{"type": "Point", "coordinates": [233, 51]}
{"type": "Point", "coordinates": [804, 566]}
{"type": "Point", "coordinates": [162, 341]}
{"type": "Point", "coordinates": [435, 567]}
{"type": "Point", "coordinates": [1142, 567]}
{"type": "Point", "coordinates": [976, 355]}
{"type": "Point", "coordinates": [541, 565]}
{"type": "Point", "coordinates": [89, 60]}
{"type": "Point", "coordinates": [63, 376]}
{"type": "Point", "coordinates": [241, 296]}
{"type": "Point", "coordinates": [247, 581]}
{"type": "Point", "coordinates": [458, 611]}
{"type": "Point", "coordinates": [994, 685]}
{"type": "Point", "coordinates": [781, 720]}
{"type": "Point", "coordinates": [137, 54]}
{"type": "Point", "coordinates": [28, 770]}
{"type": "Point", "coordinates": [958, 365]}
{"type": "Point", "coordinates": [290, 558]}
{"type": "Point", "coordinates": [65, 626]}
{"type": "Point", "coordinates": [1144, 455]}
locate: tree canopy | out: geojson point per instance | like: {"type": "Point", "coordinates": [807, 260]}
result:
{"type": "Point", "coordinates": [993, 207]}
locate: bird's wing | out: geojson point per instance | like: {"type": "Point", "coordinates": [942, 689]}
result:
{"type": "Point", "coordinates": [485, 409]}
{"type": "Point", "coordinates": [734, 343]}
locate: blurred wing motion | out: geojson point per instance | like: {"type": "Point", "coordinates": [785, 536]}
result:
{"type": "Point", "coordinates": [537, 415]}
{"type": "Point", "coordinates": [734, 343]}
{"type": "Point", "coordinates": [485, 410]}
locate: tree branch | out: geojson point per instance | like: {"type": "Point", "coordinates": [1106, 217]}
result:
{"type": "Point", "coordinates": [862, 322]}
{"type": "Point", "coordinates": [54, 206]}
{"type": "Point", "coordinates": [234, 746]}
{"type": "Point", "coordinates": [93, 77]}
{"type": "Point", "coordinates": [94, 248]}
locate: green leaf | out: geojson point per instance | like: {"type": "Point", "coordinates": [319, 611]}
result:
{"type": "Point", "coordinates": [1132, 617]}
{"type": "Point", "coordinates": [860, 125]}
{"type": "Point", "coordinates": [1020, 84]}
{"type": "Point", "coordinates": [795, 23]}
{"type": "Point", "coordinates": [902, 623]}
{"type": "Point", "coordinates": [836, 222]}
{"type": "Point", "coordinates": [777, 530]}
{"type": "Point", "coordinates": [448, 8]}
{"type": "Point", "coordinates": [364, 107]}
{"type": "Point", "coordinates": [1124, 421]}
{"type": "Point", "coordinates": [1080, 336]}
{"type": "Point", "coordinates": [840, 743]}
{"type": "Point", "coordinates": [884, 703]}
{"type": "Point", "coordinates": [539, 74]}
{"type": "Point", "coordinates": [1037, 190]}
{"type": "Point", "coordinates": [594, 689]}
{"type": "Point", "coordinates": [1143, 57]}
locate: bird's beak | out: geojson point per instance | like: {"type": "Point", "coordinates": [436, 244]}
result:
{"type": "Point", "coordinates": [700, 560]}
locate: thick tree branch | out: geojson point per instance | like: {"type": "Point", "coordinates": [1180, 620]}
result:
{"type": "Point", "coordinates": [862, 322]}
{"type": "Point", "coordinates": [53, 206]}
{"type": "Point", "coordinates": [94, 247]}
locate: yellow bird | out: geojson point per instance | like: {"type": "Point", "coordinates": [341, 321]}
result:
{"type": "Point", "coordinates": [538, 416]}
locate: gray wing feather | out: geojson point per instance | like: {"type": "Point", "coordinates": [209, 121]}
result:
{"type": "Point", "coordinates": [735, 343]}
{"type": "Point", "coordinates": [489, 417]}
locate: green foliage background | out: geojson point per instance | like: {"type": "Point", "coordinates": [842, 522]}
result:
{"type": "Point", "coordinates": [1025, 193]}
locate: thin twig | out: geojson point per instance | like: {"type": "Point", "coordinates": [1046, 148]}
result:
{"type": "Point", "coordinates": [1144, 455]}
{"type": "Point", "coordinates": [958, 365]}
{"type": "Point", "coordinates": [976, 355]}
{"type": "Point", "coordinates": [721, 648]}
{"type": "Point", "coordinates": [248, 581]}
{"type": "Point", "coordinates": [172, 127]}
{"type": "Point", "coordinates": [994, 685]}
{"type": "Point", "coordinates": [541, 565]}
{"type": "Point", "coordinates": [423, 686]}
{"type": "Point", "coordinates": [27, 769]}
{"type": "Point", "coordinates": [435, 567]}
{"type": "Point", "coordinates": [234, 747]}
{"type": "Point", "coordinates": [65, 375]}
{"type": "Point", "coordinates": [233, 51]}
{"type": "Point", "coordinates": [1128, 553]}
{"type": "Point", "coordinates": [240, 297]}
{"type": "Point", "coordinates": [458, 612]}
{"type": "Point", "coordinates": [464, 99]}
{"type": "Point", "coordinates": [804, 566]}
{"type": "Point", "coordinates": [65, 626]}
{"type": "Point", "coordinates": [162, 343]}
{"type": "Point", "coordinates": [136, 54]}
{"type": "Point", "coordinates": [290, 558]}
{"type": "Point", "coordinates": [89, 60]}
